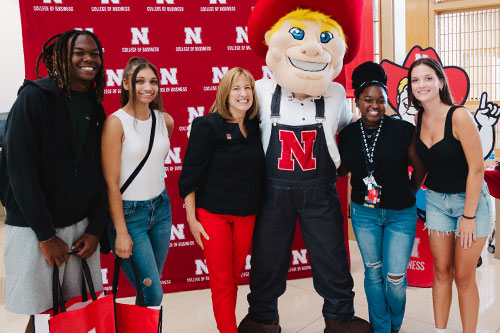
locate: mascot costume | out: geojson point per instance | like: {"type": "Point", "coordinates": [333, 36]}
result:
{"type": "Point", "coordinates": [306, 43]}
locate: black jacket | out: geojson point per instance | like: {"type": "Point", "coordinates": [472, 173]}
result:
{"type": "Point", "coordinates": [222, 167]}
{"type": "Point", "coordinates": [41, 185]}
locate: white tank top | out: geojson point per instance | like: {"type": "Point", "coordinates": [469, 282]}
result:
{"type": "Point", "coordinates": [149, 182]}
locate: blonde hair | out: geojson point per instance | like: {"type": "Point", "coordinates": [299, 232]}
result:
{"type": "Point", "coordinates": [308, 15]}
{"type": "Point", "coordinates": [402, 84]}
{"type": "Point", "coordinates": [220, 105]}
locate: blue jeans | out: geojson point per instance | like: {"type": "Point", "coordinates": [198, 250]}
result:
{"type": "Point", "coordinates": [148, 224]}
{"type": "Point", "coordinates": [385, 238]}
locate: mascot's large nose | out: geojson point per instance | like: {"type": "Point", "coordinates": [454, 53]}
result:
{"type": "Point", "coordinates": [311, 48]}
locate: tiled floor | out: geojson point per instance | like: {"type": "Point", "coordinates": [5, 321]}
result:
{"type": "Point", "coordinates": [300, 306]}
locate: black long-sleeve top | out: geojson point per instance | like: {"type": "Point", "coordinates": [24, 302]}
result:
{"type": "Point", "coordinates": [42, 186]}
{"type": "Point", "coordinates": [222, 167]}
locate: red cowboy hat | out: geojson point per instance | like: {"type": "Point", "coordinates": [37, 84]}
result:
{"type": "Point", "coordinates": [458, 80]}
{"type": "Point", "coordinates": [267, 12]}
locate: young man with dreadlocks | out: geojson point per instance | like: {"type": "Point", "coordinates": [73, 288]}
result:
{"type": "Point", "coordinates": [51, 178]}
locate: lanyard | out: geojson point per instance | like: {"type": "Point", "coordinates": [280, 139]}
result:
{"type": "Point", "coordinates": [368, 151]}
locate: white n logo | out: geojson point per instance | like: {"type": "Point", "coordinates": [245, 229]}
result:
{"type": "Point", "coordinates": [162, 2]}
{"type": "Point", "coordinates": [86, 29]}
{"type": "Point", "coordinates": [214, 2]}
{"type": "Point", "coordinates": [414, 251]}
{"type": "Point", "coordinates": [140, 35]}
{"type": "Point", "coordinates": [247, 262]}
{"type": "Point", "coordinates": [107, 2]}
{"type": "Point", "coordinates": [241, 35]}
{"type": "Point", "coordinates": [168, 76]}
{"type": "Point", "coordinates": [54, 1]}
{"type": "Point", "coordinates": [173, 156]}
{"type": "Point", "coordinates": [104, 274]}
{"type": "Point", "coordinates": [218, 73]}
{"type": "Point", "coordinates": [177, 232]}
{"type": "Point", "coordinates": [114, 78]}
{"type": "Point", "coordinates": [266, 73]}
{"type": "Point", "coordinates": [193, 35]}
{"type": "Point", "coordinates": [201, 267]}
{"type": "Point", "coordinates": [419, 55]}
{"type": "Point", "coordinates": [195, 112]}
{"type": "Point", "coordinates": [299, 256]}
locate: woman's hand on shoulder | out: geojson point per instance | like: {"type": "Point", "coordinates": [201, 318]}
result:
{"type": "Point", "coordinates": [123, 245]}
{"type": "Point", "coordinates": [169, 122]}
{"type": "Point", "coordinates": [197, 230]}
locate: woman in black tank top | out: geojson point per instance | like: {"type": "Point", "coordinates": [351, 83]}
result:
{"type": "Point", "coordinates": [457, 209]}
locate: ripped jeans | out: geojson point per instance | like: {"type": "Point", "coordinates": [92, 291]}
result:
{"type": "Point", "coordinates": [148, 223]}
{"type": "Point", "coordinates": [385, 238]}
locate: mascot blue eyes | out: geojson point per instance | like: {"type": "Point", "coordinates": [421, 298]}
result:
{"type": "Point", "coordinates": [326, 36]}
{"type": "Point", "coordinates": [298, 34]}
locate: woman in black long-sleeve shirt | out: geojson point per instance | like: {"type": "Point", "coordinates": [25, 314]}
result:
{"type": "Point", "coordinates": [220, 183]}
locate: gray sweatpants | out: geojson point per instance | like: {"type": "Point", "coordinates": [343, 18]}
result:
{"type": "Point", "coordinates": [29, 277]}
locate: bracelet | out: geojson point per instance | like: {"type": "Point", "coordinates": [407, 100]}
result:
{"type": "Point", "coordinates": [469, 217]}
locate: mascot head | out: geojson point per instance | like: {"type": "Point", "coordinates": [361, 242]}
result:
{"type": "Point", "coordinates": [305, 42]}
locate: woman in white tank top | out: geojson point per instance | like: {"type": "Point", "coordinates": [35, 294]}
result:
{"type": "Point", "coordinates": [141, 215]}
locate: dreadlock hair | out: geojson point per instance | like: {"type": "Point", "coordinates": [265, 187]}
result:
{"type": "Point", "coordinates": [57, 59]}
{"type": "Point", "coordinates": [134, 66]}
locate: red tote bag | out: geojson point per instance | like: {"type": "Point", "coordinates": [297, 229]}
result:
{"type": "Point", "coordinates": [96, 317]}
{"type": "Point", "coordinates": [135, 318]}
{"type": "Point", "coordinates": [79, 314]}
{"type": "Point", "coordinates": [420, 271]}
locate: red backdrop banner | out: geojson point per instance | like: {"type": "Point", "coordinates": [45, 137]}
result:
{"type": "Point", "coordinates": [192, 43]}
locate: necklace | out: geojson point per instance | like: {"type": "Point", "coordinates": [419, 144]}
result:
{"type": "Point", "coordinates": [370, 135]}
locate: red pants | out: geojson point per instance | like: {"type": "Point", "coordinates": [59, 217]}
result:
{"type": "Point", "coordinates": [225, 252]}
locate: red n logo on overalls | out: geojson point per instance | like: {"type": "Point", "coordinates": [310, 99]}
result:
{"type": "Point", "coordinates": [303, 154]}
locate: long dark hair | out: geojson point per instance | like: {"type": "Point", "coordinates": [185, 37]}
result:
{"type": "Point", "coordinates": [127, 73]}
{"type": "Point", "coordinates": [57, 60]}
{"type": "Point", "coordinates": [125, 96]}
{"type": "Point", "coordinates": [444, 93]}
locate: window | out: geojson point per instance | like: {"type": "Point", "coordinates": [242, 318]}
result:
{"type": "Point", "coordinates": [470, 39]}
{"type": "Point", "coordinates": [467, 34]}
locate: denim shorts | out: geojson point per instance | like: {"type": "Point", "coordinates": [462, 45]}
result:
{"type": "Point", "coordinates": [444, 211]}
